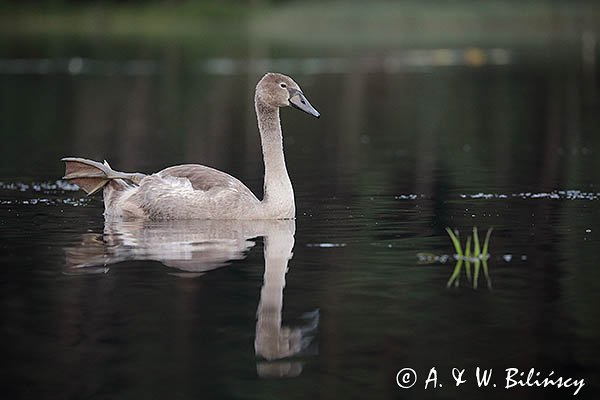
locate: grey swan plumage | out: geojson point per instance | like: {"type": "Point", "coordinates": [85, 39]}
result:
{"type": "Point", "coordinates": [197, 191]}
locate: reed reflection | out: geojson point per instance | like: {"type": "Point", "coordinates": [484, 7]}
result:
{"type": "Point", "coordinates": [193, 248]}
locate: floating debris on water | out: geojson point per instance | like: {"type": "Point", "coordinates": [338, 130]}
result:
{"type": "Point", "coordinates": [21, 187]}
{"type": "Point", "coordinates": [55, 186]}
{"type": "Point", "coordinates": [69, 201]}
{"type": "Point", "coordinates": [429, 258]}
{"type": "Point", "coordinates": [407, 196]}
{"type": "Point", "coordinates": [554, 195]}
{"type": "Point", "coordinates": [484, 196]}
{"type": "Point", "coordinates": [326, 245]}
{"type": "Point", "coordinates": [54, 189]}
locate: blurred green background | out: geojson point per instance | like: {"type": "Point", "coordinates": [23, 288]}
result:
{"type": "Point", "coordinates": [346, 26]}
{"type": "Point", "coordinates": [152, 75]}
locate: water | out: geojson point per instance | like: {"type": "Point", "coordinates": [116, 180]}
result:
{"type": "Point", "coordinates": [215, 310]}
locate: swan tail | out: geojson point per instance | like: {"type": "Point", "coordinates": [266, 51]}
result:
{"type": "Point", "coordinates": [91, 176]}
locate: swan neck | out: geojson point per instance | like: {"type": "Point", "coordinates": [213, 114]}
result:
{"type": "Point", "coordinates": [278, 191]}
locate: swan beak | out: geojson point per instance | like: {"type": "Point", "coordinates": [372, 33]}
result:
{"type": "Point", "coordinates": [297, 100]}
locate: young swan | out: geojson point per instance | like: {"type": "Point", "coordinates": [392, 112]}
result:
{"type": "Point", "coordinates": [198, 192]}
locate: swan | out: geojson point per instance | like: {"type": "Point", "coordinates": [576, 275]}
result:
{"type": "Point", "coordinates": [193, 191]}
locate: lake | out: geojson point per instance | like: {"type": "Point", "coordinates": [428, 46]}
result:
{"type": "Point", "coordinates": [362, 284]}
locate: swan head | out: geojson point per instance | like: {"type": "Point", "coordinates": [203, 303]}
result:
{"type": "Point", "coordinates": [278, 90]}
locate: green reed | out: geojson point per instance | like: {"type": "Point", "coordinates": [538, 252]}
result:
{"type": "Point", "coordinates": [475, 254]}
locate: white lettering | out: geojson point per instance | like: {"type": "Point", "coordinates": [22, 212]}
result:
{"type": "Point", "coordinates": [483, 379]}
{"type": "Point", "coordinates": [432, 377]}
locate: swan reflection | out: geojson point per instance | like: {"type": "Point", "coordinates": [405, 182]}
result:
{"type": "Point", "coordinates": [193, 248]}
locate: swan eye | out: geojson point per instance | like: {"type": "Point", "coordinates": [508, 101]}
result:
{"type": "Point", "coordinates": [283, 85]}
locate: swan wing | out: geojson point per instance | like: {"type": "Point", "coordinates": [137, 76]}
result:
{"type": "Point", "coordinates": [206, 178]}
{"type": "Point", "coordinates": [187, 192]}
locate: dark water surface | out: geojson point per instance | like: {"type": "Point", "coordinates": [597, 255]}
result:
{"type": "Point", "coordinates": [207, 310]}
